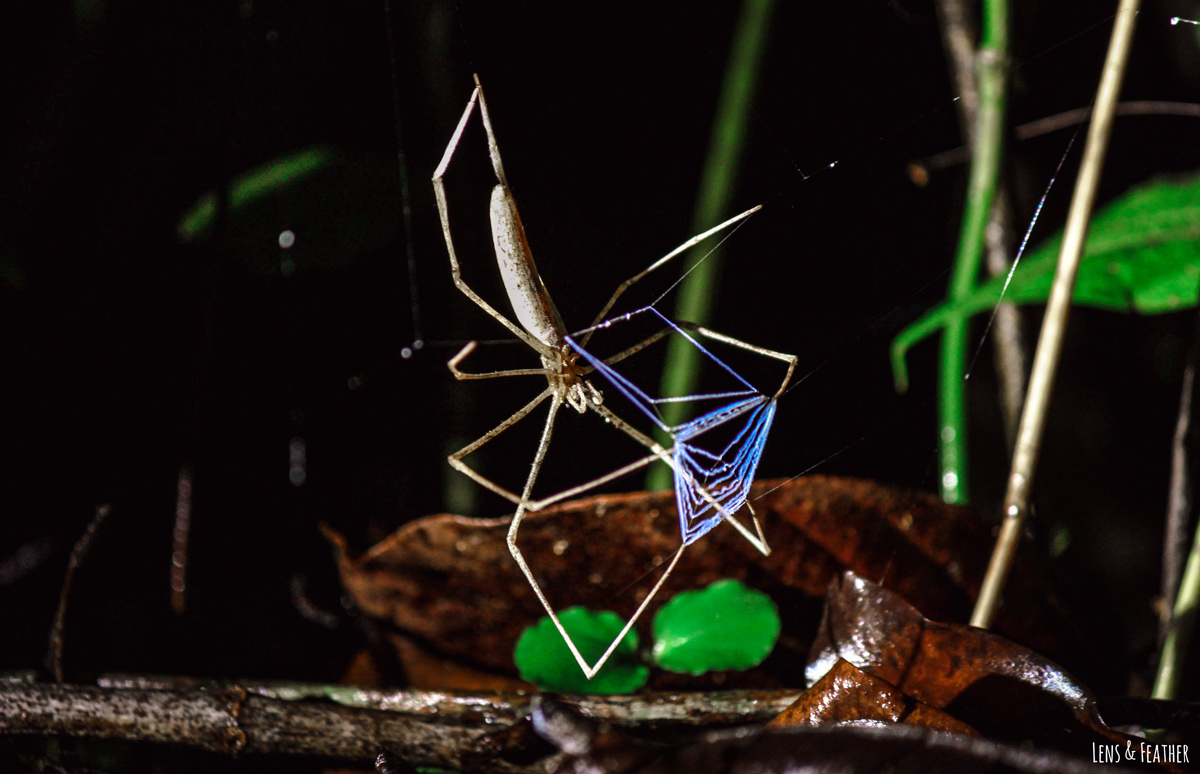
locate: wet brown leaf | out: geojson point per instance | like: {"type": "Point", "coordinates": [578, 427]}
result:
{"type": "Point", "coordinates": [847, 693]}
{"type": "Point", "coordinates": [1004, 690]}
{"type": "Point", "coordinates": [451, 583]}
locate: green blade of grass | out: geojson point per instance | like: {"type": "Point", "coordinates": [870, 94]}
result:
{"type": "Point", "coordinates": [694, 303]}
{"type": "Point", "coordinates": [992, 64]}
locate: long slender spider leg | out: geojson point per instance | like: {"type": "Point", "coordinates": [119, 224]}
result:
{"type": "Point", "coordinates": [658, 453]}
{"type": "Point", "coordinates": [791, 360]}
{"type": "Point", "coordinates": [757, 525]}
{"type": "Point", "coordinates": [469, 348]}
{"type": "Point", "coordinates": [439, 190]}
{"type": "Point", "coordinates": [759, 542]}
{"type": "Point", "coordinates": [457, 463]}
{"type": "Point", "coordinates": [524, 504]}
{"type": "Point", "coordinates": [660, 262]}
{"type": "Point", "coordinates": [566, 494]}
{"type": "Point", "coordinates": [493, 146]}
{"type": "Point", "coordinates": [591, 671]}
{"type": "Point", "coordinates": [515, 527]}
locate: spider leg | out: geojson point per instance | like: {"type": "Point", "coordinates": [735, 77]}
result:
{"type": "Point", "coordinates": [591, 671]}
{"type": "Point", "coordinates": [759, 541]}
{"type": "Point", "coordinates": [757, 525]}
{"type": "Point", "coordinates": [515, 526]}
{"type": "Point", "coordinates": [660, 262]}
{"type": "Point", "coordinates": [456, 459]}
{"type": "Point", "coordinates": [439, 190]}
{"type": "Point", "coordinates": [493, 146]}
{"type": "Point", "coordinates": [469, 348]}
{"type": "Point", "coordinates": [791, 360]}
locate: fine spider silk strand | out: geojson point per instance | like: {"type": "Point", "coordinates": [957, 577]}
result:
{"type": "Point", "coordinates": [1012, 270]}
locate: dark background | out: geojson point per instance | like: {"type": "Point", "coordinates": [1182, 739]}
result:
{"type": "Point", "coordinates": [127, 354]}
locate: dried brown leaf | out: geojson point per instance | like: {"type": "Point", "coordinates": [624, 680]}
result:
{"type": "Point", "coordinates": [847, 693]}
{"type": "Point", "coordinates": [1003, 689]}
{"type": "Point", "coordinates": [451, 583]}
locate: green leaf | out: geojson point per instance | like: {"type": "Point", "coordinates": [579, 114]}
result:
{"type": "Point", "coordinates": [336, 205]}
{"type": "Point", "coordinates": [725, 626]}
{"type": "Point", "coordinates": [1142, 255]}
{"type": "Point", "coordinates": [253, 186]}
{"type": "Point", "coordinates": [544, 660]}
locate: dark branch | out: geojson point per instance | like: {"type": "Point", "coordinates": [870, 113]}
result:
{"type": "Point", "coordinates": [422, 728]}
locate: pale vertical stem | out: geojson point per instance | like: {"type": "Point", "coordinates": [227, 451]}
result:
{"type": "Point", "coordinates": [1041, 382]}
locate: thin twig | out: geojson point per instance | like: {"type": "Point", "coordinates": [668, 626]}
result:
{"type": "Point", "coordinates": [921, 169]}
{"type": "Point", "coordinates": [1181, 583]}
{"type": "Point", "coordinates": [1041, 383]}
{"type": "Point", "coordinates": [406, 199]}
{"type": "Point", "coordinates": [234, 721]}
{"type": "Point", "coordinates": [179, 539]}
{"type": "Point", "coordinates": [957, 23]}
{"type": "Point", "coordinates": [1181, 495]}
{"type": "Point", "coordinates": [54, 655]}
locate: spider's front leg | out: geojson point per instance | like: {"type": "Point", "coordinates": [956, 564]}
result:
{"type": "Point", "coordinates": [525, 288]}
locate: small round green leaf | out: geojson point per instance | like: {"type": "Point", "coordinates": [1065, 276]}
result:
{"type": "Point", "coordinates": [725, 626]}
{"type": "Point", "coordinates": [544, 660]}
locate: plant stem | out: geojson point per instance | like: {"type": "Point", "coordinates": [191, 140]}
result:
{"type": "Point", "coordinates": [988, 147]}
{"type": "Point", "coordinates": [1170, 663]}
{"type": "Point", "coordinates": [695, 300]}
{"type": "Point", "coordinates": [1179, 595]}
{"type": "Point", "coordinates": [54, 655]}
{"type": "Point", "coordinates": [1180, 496]}
{"type": "Point", "coordinates": [1041, 382]}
